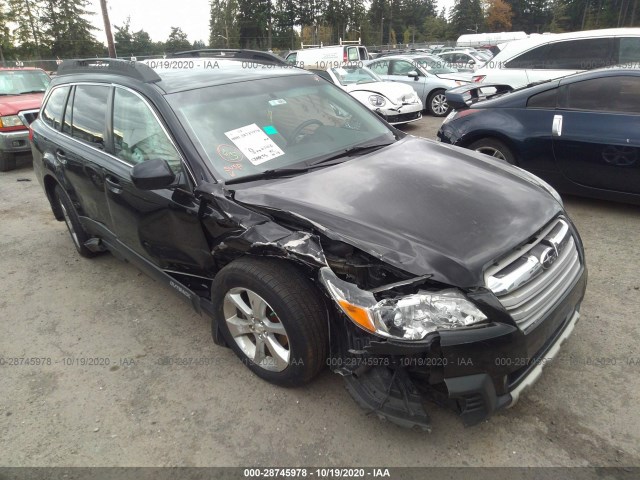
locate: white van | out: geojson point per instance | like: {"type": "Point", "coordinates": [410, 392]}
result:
{"type": "Point", "coordinates": [543, 57]}
{"type": "Point", "coordinates": [321, 57]}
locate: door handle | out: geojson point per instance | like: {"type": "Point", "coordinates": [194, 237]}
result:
{"type": "Point", "coordinates": [556, 127]}
{"type": "Point", "coordinates": [113, 184]}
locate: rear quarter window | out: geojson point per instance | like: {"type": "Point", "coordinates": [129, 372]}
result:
{"type": "Point", "coordinates": [53, 110]}
{"type": "Point", "coordinates": [546, 99]}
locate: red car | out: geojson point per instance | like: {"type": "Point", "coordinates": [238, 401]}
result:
{"type": "Point", "coordinates": [21, 91]}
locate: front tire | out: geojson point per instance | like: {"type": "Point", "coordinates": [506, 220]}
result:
{"type": "Point", "coordinates": [437, 104]}
{"type": "Point", "coordinates": [273, 318]}
{"type": "Point", "coordinates": [494, 148]}
{"type": "Point", "coordinates": [78, 234]}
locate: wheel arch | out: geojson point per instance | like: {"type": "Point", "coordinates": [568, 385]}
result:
{"type": "Point", "coordinates": [494, 135]}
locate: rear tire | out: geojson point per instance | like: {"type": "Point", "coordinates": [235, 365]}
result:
{"type": "Point", "coordinates": [437, 104]}
{"type": "Point", "coordinates": [273, 318]}
{"type": "Point", "coordinates": [494, 148]}
{"type": "Point", "coordinates": [77, 233]}
{"type": "Point", "coordinates": [7, 161]}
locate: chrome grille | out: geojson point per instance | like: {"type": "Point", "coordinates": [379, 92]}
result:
{"type": "Point", "coordinates": [28, 116]}
{"type": "Point", "coordinates": [531, 280]}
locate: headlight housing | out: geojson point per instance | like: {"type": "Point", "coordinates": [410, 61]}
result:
{"type": "Point", "coordinates": [11, 121]}
{"type": "Point", "coordinates": [377, 100]}
{"type": "Point", "coordinates": [410, 317]}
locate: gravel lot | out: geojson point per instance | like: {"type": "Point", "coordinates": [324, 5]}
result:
{"type": "Point", "coordinates": [135, 409]}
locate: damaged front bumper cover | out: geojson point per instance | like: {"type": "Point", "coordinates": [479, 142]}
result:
{"type": "Point", "coordinates": [476, 372]}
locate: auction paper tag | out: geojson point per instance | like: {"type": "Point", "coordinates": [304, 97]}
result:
{"type": "Point", "coordinates": [254, 144]}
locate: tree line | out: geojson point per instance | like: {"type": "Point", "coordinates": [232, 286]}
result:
{"type": "Point", "coordinates": [33, 29]}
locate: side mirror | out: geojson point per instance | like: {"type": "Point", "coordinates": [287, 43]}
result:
{"type": "Point", "coordinates": [472, 62]}
{"type": "Point", "coordinates": [413, 74]}
{"type": "Point", "coordinates": [152, 175]}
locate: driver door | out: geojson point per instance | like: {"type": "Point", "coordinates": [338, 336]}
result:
{"type": "Point", "coordinates": [399, 72]}
{"type": "Point", "coordinates": [160, 225]}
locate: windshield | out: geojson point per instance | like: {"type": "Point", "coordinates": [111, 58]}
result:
{"type": "Point", "coordinates": [251, 127]}
{"type": "Point", "coordinates": [354, 75]}
{"type": "Point", "coordinates": [16, 82]}
{"type": "Point", "coordinates": [435, 65]}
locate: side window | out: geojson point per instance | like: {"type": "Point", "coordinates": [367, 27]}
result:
{"type": "Point", "coordinates": [629, 50]}
{"type": "Point", "coordinates": [137, 135]}
{"type": "Point", "coordinates": [531, 59]}
{"type": "Point", "coordinates": [546, 99]}
{"type": "Point", "coordinates": [53, 110]}
{"type": "Point", "coordinates": [401, 67]}
{"type": "Point", "coordinates": [583, 54]}
{"type": "Point", "coordinates": [291, 58]}
{"type": "Point", "coordinates": [66, 125]}
{"type": "Point", "coordinates": [381, 68]}
{"type": "Point", "coordinates": [609, 94]}
{"type": "Point", "coordinates": [89, 114]}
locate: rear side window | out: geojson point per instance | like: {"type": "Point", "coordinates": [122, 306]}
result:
{"type": "Point", "coordinates": [546, 99]}
{"type": "Point", "coordinates": [54, 109]}
{"type": "Point", "coordinates": [619, 94]}
{"type": "Point", "coordinates": [583, 54]}
{"type": "Point", "coordinates": [629, 50]}
{"type": "Point", "coordinates": [531, 59]}
{"type": "Point", "coordinates": [90, 114]}
{"type": "Point", "coordinates": [292, 57]}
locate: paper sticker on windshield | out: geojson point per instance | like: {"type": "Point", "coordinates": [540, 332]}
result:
{"type": "Point", "coordinates": [254, 144]}
{"type": "Point", "coordinates": [229, 153]}
{"type": "Point", "coordinates": [279, 101]}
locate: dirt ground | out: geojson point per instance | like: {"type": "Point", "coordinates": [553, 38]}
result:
{"type": "Point", "coordinates": [101, 366]}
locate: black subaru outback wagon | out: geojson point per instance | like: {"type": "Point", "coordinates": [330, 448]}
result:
{"type": "Point", "coordinates": [312, 233]}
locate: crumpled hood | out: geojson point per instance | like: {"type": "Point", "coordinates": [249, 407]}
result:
{"type": "Point", "coordinates": [11, 105]}
{"type": "Point", "coordinates": [392, 90]}
{"type": "Point", "coordinates": [421, 206]}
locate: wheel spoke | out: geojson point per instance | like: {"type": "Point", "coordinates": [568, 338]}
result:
{"type": "Point", "coordinates": [239, 326]}
{"type": "Point", "coordinates": [238, 301]}
{"type": "Point", "coordinates": [280, 354]}
{"type": "Point", "coordinates": [274, 327]}
{"type": "Point", "coordinates": [259, 354]}
{"type": "Point", "coordinates": [258, 305]}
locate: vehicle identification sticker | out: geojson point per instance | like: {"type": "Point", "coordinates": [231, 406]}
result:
{"type": "Point", "coordinates": [254, 144]}
{"type": "Point", "coordinates": [279, 101]}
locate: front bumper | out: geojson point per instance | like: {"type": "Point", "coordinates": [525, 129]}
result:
{"type": "Point", "coordinates": [405, 114]}
{"type": "Point", "coordinates": [476, 371]}
{"type": "Point", "coordinates": [15, 142]}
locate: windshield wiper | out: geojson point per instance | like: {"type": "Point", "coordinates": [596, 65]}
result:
{"type": "Point", "coordinates": [31, 91]}
{"type": "Point", "coordinates": [349, 152]}
{"type": "Point", "coordinates": [273, 173]}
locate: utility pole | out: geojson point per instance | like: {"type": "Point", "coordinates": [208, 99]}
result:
{"type": "Point", "coordinates": [33, 28]}
{"type": "Point", "coordinates": [381, 30]}
{"type": "Point", "coordinates": [107, 29]}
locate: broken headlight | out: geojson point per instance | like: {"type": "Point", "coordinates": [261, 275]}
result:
{"type": "Point", "coordinates": [409, 317]}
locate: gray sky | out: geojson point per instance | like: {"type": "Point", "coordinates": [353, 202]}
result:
{"type": "Point", "coordinates": [157, 17]}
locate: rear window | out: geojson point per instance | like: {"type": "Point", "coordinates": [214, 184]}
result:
{"type": "Point", "coordinates": [52, 111]}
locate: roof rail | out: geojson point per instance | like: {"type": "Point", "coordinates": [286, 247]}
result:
{"type": "Point", "coordinates": [136, 70]}
{"type": "Point", "coordinates": [303, 46]}
{"type": "Point", "coordinates": [350, 42]}
{"type": "Point", "coordinates": [242, 54]}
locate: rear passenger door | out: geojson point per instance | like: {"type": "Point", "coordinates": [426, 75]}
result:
{"type": "Point", "coordinates": [596, 136]}
{"type": "Point", "coordinates": [162, 225]}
